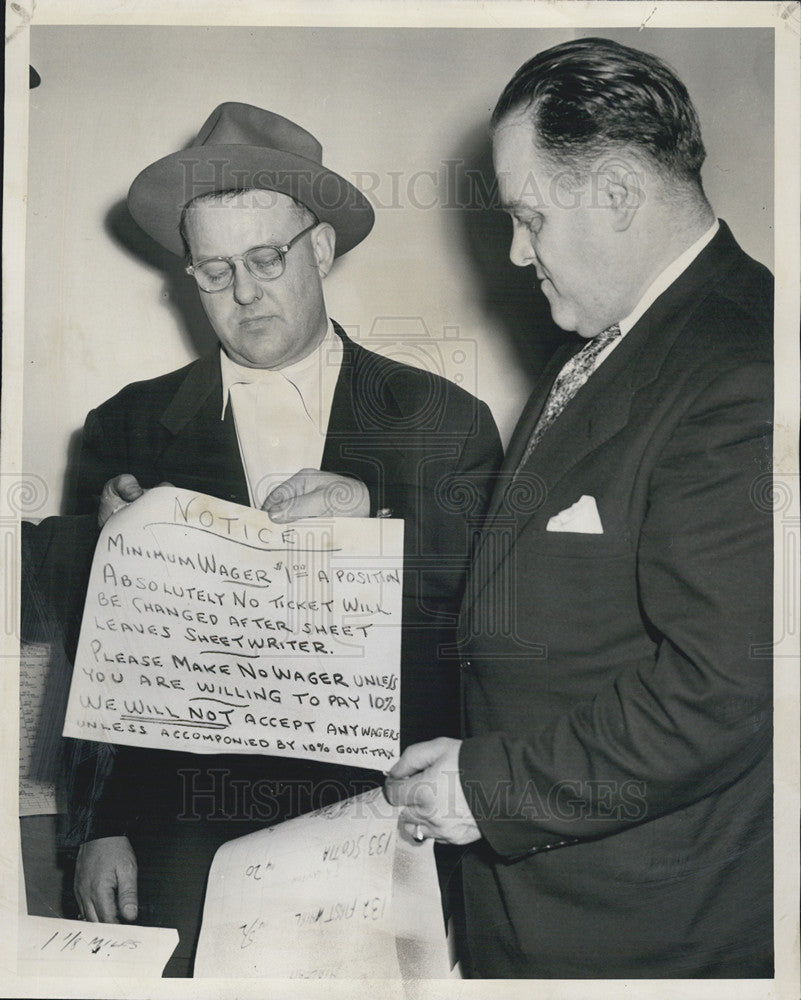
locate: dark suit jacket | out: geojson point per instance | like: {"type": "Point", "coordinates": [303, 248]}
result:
{"type": "Point", "coordinates": [427, 450]}
{"type": "Point", "coordinates": [618, 712]}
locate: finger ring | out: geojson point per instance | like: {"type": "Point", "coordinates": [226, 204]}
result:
{"type": "Point", "coordinates": [419, 834]}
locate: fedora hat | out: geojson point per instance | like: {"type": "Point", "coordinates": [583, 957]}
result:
{"type": "Point", "coordinates": [242, 147]}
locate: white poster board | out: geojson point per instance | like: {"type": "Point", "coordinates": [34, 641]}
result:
{"type": "Point", "coordinates": [340, 893]}
{"type": "Point", "coordinates": [209, 628]}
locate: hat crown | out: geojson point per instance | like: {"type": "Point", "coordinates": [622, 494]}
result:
{"type": "Point", "coordinates": [238, 124]}
{"type": "Point", "coordinates": [241, 147]}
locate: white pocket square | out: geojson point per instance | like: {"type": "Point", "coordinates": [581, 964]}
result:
{"type": "Point", "coordinates": [582, 516]}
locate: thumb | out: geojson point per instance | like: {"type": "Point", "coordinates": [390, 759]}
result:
{"type": "Point", "coordinates": [127, 487]}
{"type": "Point", "coordinates": [414, 759]}
{"type": "Point", "coordinates": [282, 494]}
{"type": "Point", "coordinates": [296, 485]}
{"type": "Point", "coordinates": [127, 897]}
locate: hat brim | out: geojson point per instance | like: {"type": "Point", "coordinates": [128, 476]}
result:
{"type": "Point", "coordinates": [160, 192]}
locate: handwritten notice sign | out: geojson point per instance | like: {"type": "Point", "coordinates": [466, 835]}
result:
{"type": "Point", "coordinates": [49, 946]}
{"type": "Point", "coordinates": [337, 893]}
{"type": "Point", "coordinates": [209, 628]}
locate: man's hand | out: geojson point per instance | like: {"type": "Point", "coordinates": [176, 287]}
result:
{"type": "Point", "coordinates": [105, 880]}
{"type": "Point", "coordinates": [311, 493]}
{"type": "Point", "coordinates": [426, 782]}
{"type": "Point", "coordinates": [118, 493]}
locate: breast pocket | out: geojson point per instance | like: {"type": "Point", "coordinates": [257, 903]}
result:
{"type": "Point", "coordinates": [576, 595]}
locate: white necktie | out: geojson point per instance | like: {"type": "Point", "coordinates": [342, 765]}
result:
{"type": "Point", "coordinates": [276, 434]}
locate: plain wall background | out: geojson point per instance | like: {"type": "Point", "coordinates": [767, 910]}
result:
{"type": "Point", "coordinates": [401, 112]}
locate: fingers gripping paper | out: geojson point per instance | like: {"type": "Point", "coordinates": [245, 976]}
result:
{"type": "Point", "coordinates": [209, 628]}
{"type": "Point", "coordinates": [338, 893]}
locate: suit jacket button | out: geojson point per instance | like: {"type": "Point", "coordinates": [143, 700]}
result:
{"type": "Point", "coordinates": [465, 664]}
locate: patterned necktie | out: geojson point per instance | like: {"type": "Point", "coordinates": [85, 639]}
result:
{"type": "Point", "coordinates": [568, 382]}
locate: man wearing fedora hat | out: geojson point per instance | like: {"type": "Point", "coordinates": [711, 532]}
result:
{"type": "Point", "coordinates": [291, 416]}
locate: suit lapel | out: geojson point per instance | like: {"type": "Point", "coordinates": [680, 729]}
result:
{"type": "Point", "coordinates": [358, 442]}
{"type": "Point", "coordinates": [595, 414]}
{"type": "Point", "coordinates": [525, 427]}
{"type": "Point", "coordinates": [202, 452]}
{"type": "Point", "coordinates": [342, 421]}
{"type": "Point", "coordinates": [493, 543]}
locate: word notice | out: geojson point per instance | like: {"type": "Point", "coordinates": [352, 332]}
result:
{"type": "Point", "coordinates": [209, 628]}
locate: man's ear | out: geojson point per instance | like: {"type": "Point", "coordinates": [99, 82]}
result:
{"type": "Point", "coordinates": [324, 241]}
{"type": "Point", "coordinates": [621, 189]}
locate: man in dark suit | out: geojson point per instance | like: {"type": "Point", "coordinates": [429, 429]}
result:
{"type": "Point", "coordinates": [291, 416]}
{"type": "Point", "coordinates": [615, 776]}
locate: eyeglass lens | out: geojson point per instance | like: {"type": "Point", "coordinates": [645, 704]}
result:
{"type": "Point", "coordinates": [265, 263]}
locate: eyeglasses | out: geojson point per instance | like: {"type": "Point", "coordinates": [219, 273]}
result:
{"type": "Point", "coordinates": [215, 274]}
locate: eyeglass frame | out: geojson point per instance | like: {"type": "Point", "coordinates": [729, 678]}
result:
{"type": "Point", "coordinates": [282, 251]}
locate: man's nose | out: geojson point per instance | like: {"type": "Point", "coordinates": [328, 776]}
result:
{"type": "Point", "coordinates": [246, 288]}
{"type": "Point", "coordinates": [521, 252]}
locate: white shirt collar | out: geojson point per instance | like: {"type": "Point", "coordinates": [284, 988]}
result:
{"type": "Point", "coordinates": [314, 376]}
{"type": "Point", "coordinates": [664, 280]}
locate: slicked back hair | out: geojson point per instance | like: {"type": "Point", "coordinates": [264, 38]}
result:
{"type": "Point", "coordinates": [593, 97]}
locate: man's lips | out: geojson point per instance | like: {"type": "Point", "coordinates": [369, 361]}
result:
{"type": "Point", "coordinates": [253, 321]}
